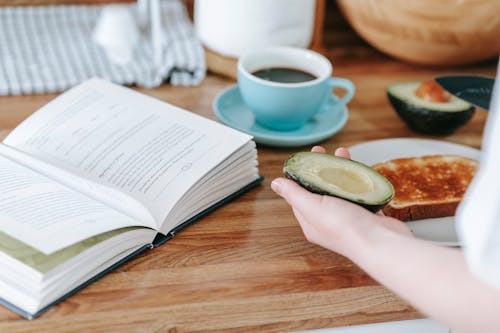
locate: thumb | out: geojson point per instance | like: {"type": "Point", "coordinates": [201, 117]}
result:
{"type": "Point", "coordinates": [296, 196]}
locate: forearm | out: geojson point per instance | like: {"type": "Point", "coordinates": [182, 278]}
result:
{"type": "Point", "coordinates": [434, 279]}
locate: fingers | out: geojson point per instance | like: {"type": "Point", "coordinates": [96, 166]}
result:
{"type": "Point", "coordinates": [318, 149]}
{"type": "Point", "coordinates": [342, 152]}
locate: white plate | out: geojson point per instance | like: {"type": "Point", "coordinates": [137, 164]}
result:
{"type": "Point", "coordinates": [439, 230]}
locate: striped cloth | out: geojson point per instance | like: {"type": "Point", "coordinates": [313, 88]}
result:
{"type": "Point", "coordinates": [50, 49]}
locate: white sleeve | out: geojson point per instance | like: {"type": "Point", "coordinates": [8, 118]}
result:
{"type": "Point", "coordinates": [478, 216]}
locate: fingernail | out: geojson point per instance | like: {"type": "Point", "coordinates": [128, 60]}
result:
{"type": "Point", "coordinates": [276, 185]}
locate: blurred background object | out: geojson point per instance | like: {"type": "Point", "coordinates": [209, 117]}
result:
{"type": "Point", "coordinates": [51, 48]}
{"type": "Point", "coordinates": [229, 28]}
{"type": "Point", "coordinates": [117, 32]}
{"type": "Point", "coordinates": [233, 27]}
{"type": "Point", "coordinates": [446, 33]}
{"type": "Point", "coordinates": [428, 32]}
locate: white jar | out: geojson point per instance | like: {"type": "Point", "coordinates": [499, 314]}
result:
{"type": "Point", "coordinates": [232, 27]}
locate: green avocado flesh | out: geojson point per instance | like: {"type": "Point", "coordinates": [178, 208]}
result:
{"type": "Point", "coordinates": [339, 177]}
{"type": "Point", "coordinates": [425, 116]}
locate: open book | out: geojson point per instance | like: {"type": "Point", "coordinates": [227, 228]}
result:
{"type": "Point", "coordinates": [99, 175]}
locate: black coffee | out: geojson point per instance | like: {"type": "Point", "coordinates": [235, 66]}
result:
{"type": "Point", "coordinates": [284, 75]}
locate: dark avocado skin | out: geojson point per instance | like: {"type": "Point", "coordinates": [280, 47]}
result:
{"type": "Point", "coordinates": [314, 189]}
{"type": "Point", "coordinates": [428, 121]}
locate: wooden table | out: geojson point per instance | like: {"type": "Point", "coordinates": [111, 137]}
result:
{"type": "Point", "coordinates": [247, 267]}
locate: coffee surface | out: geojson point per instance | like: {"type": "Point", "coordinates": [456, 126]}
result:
{"type": "Point", "coordinates": [284, 75]}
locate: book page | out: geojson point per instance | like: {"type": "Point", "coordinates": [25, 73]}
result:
{"type": "Point", "coordinates": [43, 263]}
{"type": "Point", "coordinates": [150, 150]}
{"type": "Point", "coordinates": [113, 198]}
{"type": "Point", "coordinates": [49, 216]}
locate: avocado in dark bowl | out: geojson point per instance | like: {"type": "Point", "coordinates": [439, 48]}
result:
{"type": "Point", "coordinates": [427, 108]}
{"type": "Point", "coordinates": [340, 177]}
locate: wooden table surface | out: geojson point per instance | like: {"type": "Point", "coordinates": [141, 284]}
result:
{"type": "Point", "coordinates": [247, 267]}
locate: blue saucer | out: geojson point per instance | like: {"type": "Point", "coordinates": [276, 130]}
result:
{"type": "Point", "coordinates": [231, 110]}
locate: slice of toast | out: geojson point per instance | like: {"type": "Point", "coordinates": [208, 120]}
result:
{"type": "Point", "coordinates": [428, 186]}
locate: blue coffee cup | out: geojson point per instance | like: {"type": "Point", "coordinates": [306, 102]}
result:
{"type": "Point", "coordinates": [286, 106]}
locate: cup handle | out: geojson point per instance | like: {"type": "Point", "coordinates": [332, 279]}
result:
{"type": "Point", "coordinates": [336, 82]}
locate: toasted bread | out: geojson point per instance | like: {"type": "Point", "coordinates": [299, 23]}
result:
{"type": "Point", "coordinates": [427, 187]}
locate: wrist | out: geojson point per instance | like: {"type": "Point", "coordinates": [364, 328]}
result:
{"type": "Point", "coordinates": [358, 237]}
{"type": "Point", "coordinates": [371, 236]}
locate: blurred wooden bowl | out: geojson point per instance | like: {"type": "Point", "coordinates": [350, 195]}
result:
{"type": "Point", "coordinates": [428, 32]}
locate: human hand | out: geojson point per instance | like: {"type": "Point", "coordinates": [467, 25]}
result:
{"type": "Point", "coordinates": [333, 223]}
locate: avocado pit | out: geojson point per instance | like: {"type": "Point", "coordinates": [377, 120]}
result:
{"type": "Point", "coordinates": [427, 108]}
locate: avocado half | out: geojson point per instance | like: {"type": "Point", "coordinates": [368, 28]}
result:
{"type": "Point", "coordinates": [340, 177]}
{"type": "Point", "coordinates": [428, 117]}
